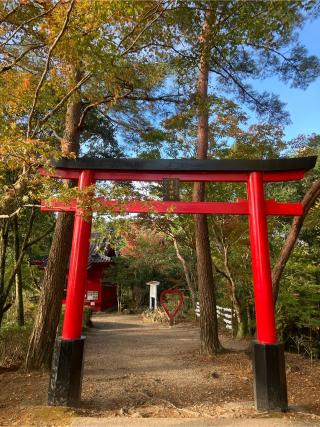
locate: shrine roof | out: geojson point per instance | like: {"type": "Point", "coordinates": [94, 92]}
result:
{"type": "Point", "coordinates": [99, 253]}
{"type": "Point", "coordinates": [190, 165]}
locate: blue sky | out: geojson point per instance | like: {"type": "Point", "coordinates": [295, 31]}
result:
{"type": "Point", "coordinates": [303, 105]}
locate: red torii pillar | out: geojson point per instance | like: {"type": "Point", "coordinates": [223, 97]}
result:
{"type": "Point", "coordinates": [268, 356]}
{"type": "Point", "coordinates": [67, 363]}
{"type": "Point", "coordinates": [270, 385]}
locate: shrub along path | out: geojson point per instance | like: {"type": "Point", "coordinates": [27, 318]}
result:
{"type": "Point", "coordinates": [137, 370]}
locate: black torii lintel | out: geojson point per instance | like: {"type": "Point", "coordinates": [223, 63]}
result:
{"type": "Point", "coordinates": [190, 165]}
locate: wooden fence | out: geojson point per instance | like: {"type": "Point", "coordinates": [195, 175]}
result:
{"type": "Point", "coordinates": [223, 313]}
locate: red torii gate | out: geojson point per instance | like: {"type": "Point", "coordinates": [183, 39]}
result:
{"type": "Point", "coordinates": [268, 356]}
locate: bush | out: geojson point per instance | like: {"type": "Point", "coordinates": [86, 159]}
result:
{"type": "Point", "coordinates": [155, 316]}
{"type": "Point", "coordinates": [86, 318]}
{"type": "Point", "coordinates": [298, 317]}
{"type": "Point", "coordinates": [14, 340]}
{"type": "Point", "coordinates": [14, 345]}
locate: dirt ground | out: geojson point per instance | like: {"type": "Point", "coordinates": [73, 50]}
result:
{"type": "Point", "coordinates": [135, 369]}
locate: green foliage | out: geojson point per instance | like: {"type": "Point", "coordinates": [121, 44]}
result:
{"type": "Point", "coordinates": [98, 138]}
{"type": "Point", "coordinates": [13, 345]}
{"type": "Point", "coordinates": [14, 339]}
{"type": "Point", "coordinates": [27, 236]}
{"type": "Point", "coordinates": [135, 64]}
{"type": "Point", "coordinates": [146, 255]}
{"type": "Point", "coordinates": [86, 318]}
{"type": "Point", "coordinates": [299, 298]}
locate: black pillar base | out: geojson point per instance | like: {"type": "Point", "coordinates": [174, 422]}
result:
{"type": "Point", "coordinates": [270, 385]}
{"type": "Point", "coordinates": [66, 372]}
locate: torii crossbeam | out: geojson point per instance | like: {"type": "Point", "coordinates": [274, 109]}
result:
{"type": "Point", "coordinates": [268, 355]}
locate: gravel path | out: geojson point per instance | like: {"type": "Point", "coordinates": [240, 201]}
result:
{"type": "Point", "coordinates": [141, 370]}
{"type": "Point", "coordinates": [189, 422]}
{"type": "Point", "coordinates": [143, 374]}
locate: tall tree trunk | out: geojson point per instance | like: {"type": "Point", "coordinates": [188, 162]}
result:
{"type": "Point", "coordinates": [186, 270]}
{"type": "Point", "coordinates": [19, 298]}
{"type": "Point", "coordinates": [308, 202]}
{"type": "Point", "coordinates": [241, 324]}
{"type": "Point", "coordinates": [4, 236]}
{"type": "Point", "coordinates": [249, 319]}
{"type": "Point", "coordinates": [236, 304]}
{"type": "Point", "coordinates": [18, 278]}
{"type": "Point", "coordinates": [206, 287]}
{"type": "Point", "coordinates": [49, 308]}
{"type": "Point", "coordinates": [10, 280]}
{"type": "Point", "coordinates": [241, 330]}
{"type": "Point", "coordinates": [47, 320]}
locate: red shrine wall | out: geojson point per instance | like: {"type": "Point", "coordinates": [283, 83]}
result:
{"type": "Point", "coordinates": [98, 296]}
{"type": "Point", "coordinates": [109, 296]}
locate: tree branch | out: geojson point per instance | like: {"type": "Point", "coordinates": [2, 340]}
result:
{"type": "Point", "coordinates": [55, 134]}
{"type": "Point", "coordinates": [23, 67]}
{"type": "Point", "coordinates": [12, 214]}
{"type": "Point", "coordinates": [218, 270]}
{"type": "Point", "coordinates": [28, 22]}
{"type": "Point", "coordinates": [46, 68]}
{"type": "Point", "coordinates": [22, 55]}
{"type": "Point", "coordinates": [271, 49]}
{"type": "Point", "coordinates": [61, 102]}
{"type": "Point", "coordinates": [118, 122]}
{"type": "Point", "coordinates": [147, 15]}
{"type": "Point", "coordinates": [90, 106]}
{"type": "Point", "coordinates": [21, 255]}
{"type": "Point", "coordinates": [37, 239]}
{"type": "Point", "coordinates": [165, 98]}
{"type": "Point", "coordinates": [10, 13]}
{"type": "Point", "coordinates": [144, 30]}
{"type": "Point", "coordinates": [234, 79]}
{"type": "Point", "coordinates": [4, 246]}
{"type": "Point", "coordinates": [109, 98]}
{"type": "Point", "coordinates": [308, 202]}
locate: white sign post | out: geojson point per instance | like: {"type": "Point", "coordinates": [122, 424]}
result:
{"type": "Point", "coordinates": [153, 301]}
